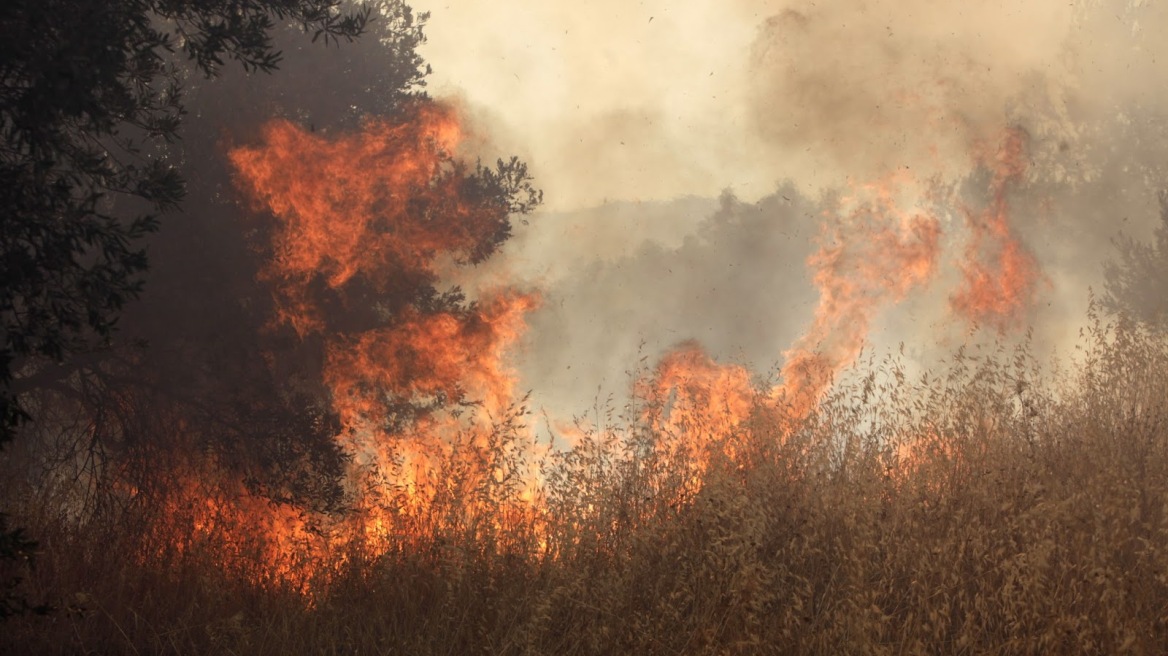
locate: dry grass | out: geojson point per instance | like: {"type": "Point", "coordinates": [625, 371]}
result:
{"type": "Point", "coordinates": [991, 509]}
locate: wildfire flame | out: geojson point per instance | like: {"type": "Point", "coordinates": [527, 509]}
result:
{"type": "Point", "coordinates": [427, 356]}
{"type": "Point", "coordinates": [361, 225]}
{"type": "Point", "coordinates": [871, 254]}
{"type": "Point", "coordinates": [1000, 275]}
{"type": "Point", "coordinates": [374, 208]}
{"type": "Point", "coordinates": [871, 257]}
{"type": "Point", "coordinates": [360, 222]}
{"type": "Point", "coordinates": [696, 404]}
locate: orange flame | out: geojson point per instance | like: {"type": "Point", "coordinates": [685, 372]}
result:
{"type": "Point", "coordinates": [869, 257]}
{"type": "Point", "coordinates": [381, 204]}
{"type": "Point", "coordinates": [696, 389]}
{"type": "Point", "coordinates": [360, 222]}
{"type": "Point", "coordinates": [866, 260]}
{"type": "Point", "coordinates": [429, 355]}
{"type": "Point", "coordinates": [1000, 275]}
{"type": "Point", "coordinates": [424, 357]}
{"type": "Point", "coordinates": [211, 516]}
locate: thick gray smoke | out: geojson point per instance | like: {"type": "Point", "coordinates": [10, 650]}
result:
{"type": "Point", "coordinates": [736, 282]}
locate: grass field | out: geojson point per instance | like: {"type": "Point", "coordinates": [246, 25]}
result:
{"type": "Point", "coordinates": [994, 507]}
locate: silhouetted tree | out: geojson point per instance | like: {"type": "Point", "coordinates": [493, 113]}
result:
{"type": "Point", "coordinates": [90, 98]}
{"type": "Point", "coordinates": [197, 367]}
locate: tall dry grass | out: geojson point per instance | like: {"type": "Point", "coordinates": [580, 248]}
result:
{"type": "Point", "coordinates": [995, 507]}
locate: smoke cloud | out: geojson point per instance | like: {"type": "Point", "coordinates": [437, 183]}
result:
{"type": "Point", "coordinates": [858, 89]}
{"type": "Point", "coordinates": [737, 284]}
{"type": "Point", "coordinates": [652, 102]}
{"type": "Point", "coordinates": [636, 117]}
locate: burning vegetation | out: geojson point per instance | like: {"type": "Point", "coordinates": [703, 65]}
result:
{"type": "Point", "coordinates": [1000, 276]}
{"type": "Point", "coordinates": [333, 451]}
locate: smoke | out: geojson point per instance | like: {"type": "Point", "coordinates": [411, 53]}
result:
{"type": "Point", "coordinates": [857, 89]}
{"type": "Point", "coordinates": [609, 99]}
{"type": "Point", "coordinates": [1032, 131]}
{"type": "Point", "coordinates": [650, 100]}
{"type": "Point", "coordinates": [636, 117]}
{"type": "Point", "coordinates": [737, 283]}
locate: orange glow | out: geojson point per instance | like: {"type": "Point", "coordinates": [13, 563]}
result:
{"type": "Point", "coordinates": [1000, 275]}
{"type": "Point", "coordinates": [868, 258]}
{"type": "Point", "coordinates": [380, 204]}
{"type": "Point", "coordinates": [427, 356]}
{"type": "Point", "coordinates": [914, 452]}
{"type": "Point", "coordinates": [692, 391]}
{"type": "Point", "coordinates": [696, 408]}
{"type": "Point", "coordinates": [263, 541]}
{"type": "Point", "coordinates": [700, 407]}
{"type": "Point", "coordinates": [359, 224]}
{"type": "Point", "coordinates": [424, 358]}
{"type": "Point", "coordinates": [872, 254]}
{"type": "Point", "coordinates": [421, 387]}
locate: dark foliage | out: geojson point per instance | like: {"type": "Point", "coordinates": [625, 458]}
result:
{"type": "Point", "coordinates": [16, 556]}
{"type": "Point", "coordinates": [1137, 282]}
{"type": "Point", "coordinates": [90, 95]}
{"type": "Point", "coordinates": [90, 98]}
{"type": "Point", "coordinates": [197, 366]}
